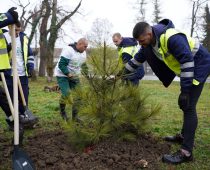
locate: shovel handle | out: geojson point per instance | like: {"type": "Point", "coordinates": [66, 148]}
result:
{"type": "Point", "coordinates": [21, 92]}
{"type": "Point", "coordinates": [15, 86]}
{"type": "Point", "coordinates": [7, 94]}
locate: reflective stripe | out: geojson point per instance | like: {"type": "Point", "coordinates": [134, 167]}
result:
{"type": "Point", "coordinates": [136, 62]}
{"type": "Point", "coordinates": [187, 74]}
{"type": "Point", "coordinates": [3, 51]}
{"type": "Point", "coordinates": [127, 66]}
{"type": "Point", "coordinates": [29, 61]}
{"type": "Point", "coordinates": [3, 17]}
{"type": "Point", "coordinates": [31, 57]}
{"type": "Point", "coordinates": [187, 65]}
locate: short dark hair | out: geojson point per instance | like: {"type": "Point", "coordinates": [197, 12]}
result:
{"type": "Point", "coordinates": [18, 24]}
{"type": "Point", "coordinates": [139, 29]}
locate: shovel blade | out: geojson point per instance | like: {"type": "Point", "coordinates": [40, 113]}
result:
{"type": "Point", "coordinates": [21, 160]}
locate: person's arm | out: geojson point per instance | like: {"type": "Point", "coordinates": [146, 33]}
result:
{"type": "Point", "coordinates": [126, 57]}
{"type": "Point", "coordinates": [65, 58]}
{"type": "Point", "coordinates": [178, 46]}
{"type": "Point", "coordinates": [62, 65]}
{"type": "Point", "coordinates": [30, 61]}
{"type": "Point", "coordinates": [135, 62]}
{"type": "Point", "coordinates": [8, 18]}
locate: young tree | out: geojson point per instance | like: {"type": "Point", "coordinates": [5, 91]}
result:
{"type": "Point", "coordinates": [156, 12]}
{"type": "Point", "coordinates": [108, 107]}
{"type": "Point", "coordinates": [47, 40]}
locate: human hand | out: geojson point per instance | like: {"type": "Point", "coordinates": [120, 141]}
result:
{"type": "Point", "coordinates": [13, 13]}
{"type": "Point", "coordinates": [70, 75]}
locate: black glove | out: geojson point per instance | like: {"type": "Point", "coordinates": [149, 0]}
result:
{"type": "Point", "coordinates": [30, 72]}
{"type": "Point", "coordinates": [183, 100]}
{"type": "Point", "coordinates": [13, 13]}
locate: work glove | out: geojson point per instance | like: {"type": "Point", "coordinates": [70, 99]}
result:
{"type": "Point", "coordinates": [30, 72]}
{"type": "Point", "coordinates": [183, 100]}
{"type": "Point", "coordinates": [13, 13]}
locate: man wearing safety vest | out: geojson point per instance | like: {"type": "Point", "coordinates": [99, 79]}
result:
{"type": "Point", "coordinates": [170, 52]}
{"type": "Point", "coordinates": [8, 18]}
{"type": "Point", "coordinates": [25, 66]}
{"type": "Point", "coordinates": [127, 48]}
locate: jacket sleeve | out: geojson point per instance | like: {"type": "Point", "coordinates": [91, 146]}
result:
{"type": "Point", "coordinates": [135, 62]}
{"type": "Point", "coordinates": [30, 60]}
{"type": "Point", "coordinates": [62, 65]}
{"type": "Point", "coordinates": [6, 19]}
{"type": "Point", "coordinates": [126, 57]}
{"type": "Point", "coordinates": [178, 46]}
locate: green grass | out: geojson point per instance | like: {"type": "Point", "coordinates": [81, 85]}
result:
{"type": "Point", "coordinates": [167, 122]}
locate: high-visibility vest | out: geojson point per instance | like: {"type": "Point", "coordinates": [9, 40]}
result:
{"type": "Point", "coordinates": [25, 52]}
{"type": "Point", "coordinates": [132, 50]}
{"type": "Point", "coordinates": [168, 58]}
{"type": "Point", "coordinates": [4, 57]}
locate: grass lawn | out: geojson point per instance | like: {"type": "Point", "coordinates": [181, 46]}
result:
{"type": "Point", "coordinates": [167, 122]}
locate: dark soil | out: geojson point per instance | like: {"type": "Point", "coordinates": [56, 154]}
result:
{"type": "Point", "coordinates": [51, 151]}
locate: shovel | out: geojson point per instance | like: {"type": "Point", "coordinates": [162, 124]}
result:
{"type": "Point", "coordinates": [20, 159]}
{"type": "Point", "coordinates": [27, 112]}
{"type": "Point", "coordinates": [10, 103]}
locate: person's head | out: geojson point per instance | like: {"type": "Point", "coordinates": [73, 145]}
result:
{"type": "Point", "coordinates": [82, 45]}
{"type": "Point", "coordinates": [142, 32]}
{"type": "Point", "coordinates": [117, 39]}
{"type": "Point", "coordinates": [17, 28]}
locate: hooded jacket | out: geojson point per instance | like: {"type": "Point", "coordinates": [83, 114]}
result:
{"type": "Point", "coordinates": [178, 46]}
{"type": "Point", "coordinates": [28, 56]}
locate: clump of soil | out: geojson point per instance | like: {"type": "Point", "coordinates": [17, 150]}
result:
{"type": "Point", "coordinates": [51, 151]}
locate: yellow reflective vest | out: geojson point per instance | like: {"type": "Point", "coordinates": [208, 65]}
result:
{"type": "Point", "coordinates": [132, 50]}
{"type": "Point", "coordinates": [168, 58]}
{"type": "Point", "coordinates": [4, 57]}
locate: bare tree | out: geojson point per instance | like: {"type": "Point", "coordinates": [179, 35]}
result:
{"type": "Point", "coordinates": [100, 32]}
{"type": "Point", "coordinates": [197, 5]}
{"type": "Point", "coordinates": [139, 6]}
{"type": "Point", "coordinates": [53, 31]}
{"type": "Point", "coordinates": [206, 40]}
{"type": "Point", "coordinates": [43, 37]}
{"type": "Point", "coordinates": [156, 12]}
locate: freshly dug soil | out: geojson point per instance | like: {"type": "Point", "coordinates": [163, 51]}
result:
{"type": "Point", "coordinates": [51, 151]}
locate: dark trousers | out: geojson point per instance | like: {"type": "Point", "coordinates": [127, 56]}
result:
{"type": "Point", "coordinates": [24, 83]}
{"type": "Point", "coordinates": [190, 118]}
{"type": "Point", "coordinates": [4, 103]}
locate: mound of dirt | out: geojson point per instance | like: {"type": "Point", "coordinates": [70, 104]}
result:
{"type": "Point", "coordinates": [51, 151]}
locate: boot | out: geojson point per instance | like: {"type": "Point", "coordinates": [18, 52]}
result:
{"type": "Point", "coordinates": [63, 112]}
{"type": "Point", "coordinates": [75, 115]}
{"type": "Point", "coordinates": [28, 119]}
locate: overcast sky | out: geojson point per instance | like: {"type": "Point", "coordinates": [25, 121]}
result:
{"type": "Point", "coordinates": [119, 12]}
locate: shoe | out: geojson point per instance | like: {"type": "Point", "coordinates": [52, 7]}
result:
{"type": "Point", "coordinates": [28, 121]}
{"type": "Point", "coordinates": [64, 116]}
{"type": "Point", "coordinates": [177, 158]}
{"type": "Point", "coordinates": [178, 138]}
